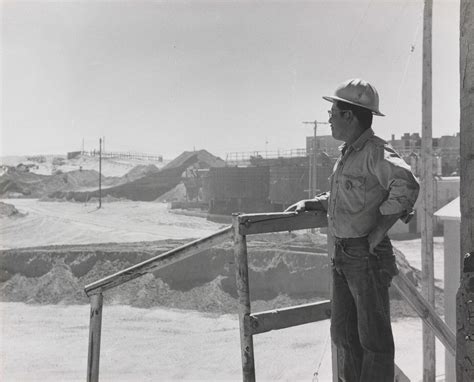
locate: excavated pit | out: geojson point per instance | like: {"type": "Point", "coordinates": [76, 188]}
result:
{"type": "Point", "coordinates": [284, 270]}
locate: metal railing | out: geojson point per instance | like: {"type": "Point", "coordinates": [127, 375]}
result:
{"type": "Point", "coordinates": [251, 323]}
{"type": "Point", "coordinates": [247, 156]}
{"type": "Point", "coordinates": [123, 155]}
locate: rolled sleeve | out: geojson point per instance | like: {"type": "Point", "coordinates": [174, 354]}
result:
{"type": "Point", "coordinates": [323, 199]}
{"type": "Point", "coordinates": [396, 178]}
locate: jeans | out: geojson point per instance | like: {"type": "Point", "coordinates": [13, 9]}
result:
{"type": "Point", "coordinates": [360, 319]}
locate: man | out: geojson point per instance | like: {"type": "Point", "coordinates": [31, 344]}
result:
{"type": "Point", "coordinates": [370, 189]}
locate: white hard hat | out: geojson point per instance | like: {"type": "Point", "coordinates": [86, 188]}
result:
{"type": "Point", "coordinates": [357, 92]}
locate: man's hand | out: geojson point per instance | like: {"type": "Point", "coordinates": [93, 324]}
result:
{"type": "Point", "coordinates": [384, 223]}
{"type": "Point", "coordinates": [306, 205]}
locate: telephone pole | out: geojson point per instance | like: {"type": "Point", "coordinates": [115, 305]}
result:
{"type": "Point", "coordinates": [313, 168]}
{"type": "Point", "coordinates": [100, 172]}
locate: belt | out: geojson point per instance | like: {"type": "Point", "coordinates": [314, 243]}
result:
{"type": "Point", "coordinates": [352, 240]}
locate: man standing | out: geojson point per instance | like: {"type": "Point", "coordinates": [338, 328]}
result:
{"type": "Point", "coordinates": [370, 189]}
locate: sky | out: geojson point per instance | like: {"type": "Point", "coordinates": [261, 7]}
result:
{"type": "Point", "coordinates": [165, 77]}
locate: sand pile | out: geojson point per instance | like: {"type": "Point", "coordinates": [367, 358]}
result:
{"type": "Point", "coordinates": [205, 282]}
{"type": "Point", "coordinates": [176, 193]}
{"type": "Point", "coordinates": [8, 210]}
{"type": "Point", "coordinates": [31, 185]}
{"type": "Point", "coordinates": [284, 269]}
{"type": "Point", "coordinates": [140, 171]}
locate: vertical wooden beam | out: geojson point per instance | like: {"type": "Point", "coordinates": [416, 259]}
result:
{"type": "Point", "coordinates": [242, 278]}
{"type": "Point", "coordinates": [427, 189]}
{"type": "Point", "coordinates": [465, 308]}
{"type": "Point", "coordinates": [467, 125]}
{"type": "Point", "coordinates": [314, 183]}
{"type": "Point", "coordinates": [334, 352]}
{"type": "Point", "coordinates": [94, 338]}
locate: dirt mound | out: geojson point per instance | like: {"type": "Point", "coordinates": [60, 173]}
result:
{"type": "Point", "coordinates": [205, 282]}
{"type": "Point", "coordinates": [8, 210]}
{"type": "Point", "coordinates": [31, 185]}
{"type": "Point", "coordinates": [146, 189]}
{"type": "Point", "coordinates": [284, 269]}
{"type": "Point", "coordinates": [177, 193]}
{"type": "Point", "coordinates": [140, 171]}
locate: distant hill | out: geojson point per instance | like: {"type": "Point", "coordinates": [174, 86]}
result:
{"type": "Point", "coordinates": [147, 188]}
{"type": "Point", "coordinates": [28, 184]}
{"type": "Point", "coordinates": [144, 182]}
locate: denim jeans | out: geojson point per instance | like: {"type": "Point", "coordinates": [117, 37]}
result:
{"type": "Point", "coordinates": [360, 319]}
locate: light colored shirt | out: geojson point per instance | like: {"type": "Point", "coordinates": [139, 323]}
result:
{"type": "Point", "coordinates": [369, 180]}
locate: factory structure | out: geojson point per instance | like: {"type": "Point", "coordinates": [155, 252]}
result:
{"type": "Point", "coordinates": [271, 181]}
{"type": "Point", "coordinates": [262, 181]}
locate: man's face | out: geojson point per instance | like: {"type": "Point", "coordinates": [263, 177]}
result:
{"type": "Point", "coordinates": [339, 123]}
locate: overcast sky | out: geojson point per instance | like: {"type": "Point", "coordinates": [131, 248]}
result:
{"type": "Point", "coordinates": [168, 76]}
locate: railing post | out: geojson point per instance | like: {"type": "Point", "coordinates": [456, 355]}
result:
{"type": "Point", "coordinates": [94, 338]}
{"type": "Point", "coordinates": [334, 351]}
{"type": "Point", "coordinates": [242, 278]}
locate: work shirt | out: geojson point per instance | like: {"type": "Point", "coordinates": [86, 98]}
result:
{"type": "Point", "coordinates": [369, 180]}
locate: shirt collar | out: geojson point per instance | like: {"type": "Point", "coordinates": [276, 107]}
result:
{"type": "Point", "coordinates": [359, 142]}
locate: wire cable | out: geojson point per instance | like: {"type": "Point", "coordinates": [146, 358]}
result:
{"type": "Point", "coordinates": [407, 64]}
{"type": "Point", "coordinates": [316, 373]}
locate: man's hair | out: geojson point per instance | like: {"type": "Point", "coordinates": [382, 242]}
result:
{"type": "Point", "coordinates": [363, 115]}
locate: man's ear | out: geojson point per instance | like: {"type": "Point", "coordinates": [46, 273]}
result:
{"type": "Point", "coordinates": [349, 115]}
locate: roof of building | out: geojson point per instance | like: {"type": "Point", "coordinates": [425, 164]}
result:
{"type": "Point", "coordinates": [190, 157]}
{"type": "Point", "coordinates": [451, 211]}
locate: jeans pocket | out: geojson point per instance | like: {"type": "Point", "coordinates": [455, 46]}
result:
{"type": "Point", "coordinates": [355, 253]}
{"type": "Point", "coordinates": [387, 269]}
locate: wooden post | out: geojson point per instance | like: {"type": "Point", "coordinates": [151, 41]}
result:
{"type": "Point", "coordinates": [100, 172]}
{"type": "Point", "coordinates": [427, 188]}
{"type": "Point", "coordinates": [314, 175]}
{"type": "Point", "coordinates": [334, 352]}
{"type": "Point", "coordinates": [94, 338]}
{"type": "Point", "coordinates": [242, 278]}
{"type": "Point", "coordinates": [465, 308]}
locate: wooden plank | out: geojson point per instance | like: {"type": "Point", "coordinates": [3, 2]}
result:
{"type": "Point", "coordinates": [465, 296]}
{"type": "Point", "coordinates": [284, 318]}
{"type": "Point", "coordinates": [427, 313]}
{"type": "Point", "coordinates": [95, 328]}
{"type": "Point", "coordinates": [160, 261]}
{"type": "Point", "coordinates": [250, 224]}
{"type": "Point", "coordinates": [242, 279]}
{"type": "Point", "coordinates": [427, 190]}
{"type": "Point", "coordinates": [400, 376]}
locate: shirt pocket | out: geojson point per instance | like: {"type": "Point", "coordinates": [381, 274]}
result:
{"type": "Point", "coordinates": [352, 193]}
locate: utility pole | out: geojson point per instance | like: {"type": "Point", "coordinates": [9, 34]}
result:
{"type": "Point", "coordinates": [427, 190]}
{"type": "Point", "coordinates": [100, 172]}
{"type": "Point", "coordinates": [313, 168]}
{"type": "Point", "coordinates": [465, 296]}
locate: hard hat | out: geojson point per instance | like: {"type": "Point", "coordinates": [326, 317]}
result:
{"type": "Point", "coordinates": [357, 92]}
